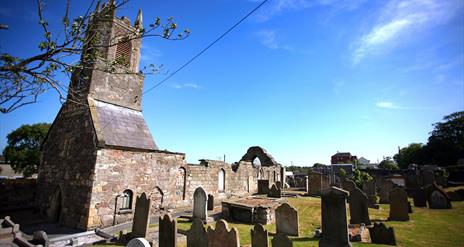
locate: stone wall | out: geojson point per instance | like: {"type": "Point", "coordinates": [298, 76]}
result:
{"type": "Point", "coordinates": [17, 193]}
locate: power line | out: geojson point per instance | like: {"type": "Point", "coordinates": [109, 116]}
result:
{"type": "Point", "coordinates": [205, 49]}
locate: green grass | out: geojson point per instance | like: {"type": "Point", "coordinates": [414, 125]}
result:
{"type": "Point", "coordinates": [426, 227]}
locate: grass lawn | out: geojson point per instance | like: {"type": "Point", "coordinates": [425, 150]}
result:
{"type": "Point", "coordinates": [426, 227]}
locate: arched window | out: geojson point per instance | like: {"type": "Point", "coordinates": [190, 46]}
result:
{"type": "Point", "coordinates": [256, 162]}
{"type": "Point", "coordinates": [126, 199]}
{"type": "Point", "coordinates": [221, 180]}
{"type": "Point", "coordinates": [181, 179]}
{"type": "Point", "coordinates": [123, 52]}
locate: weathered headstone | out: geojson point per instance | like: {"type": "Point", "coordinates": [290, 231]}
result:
{"type": "Point", "coordinates": [275, 192]}
{"type": "Point", "coordinates": [317, 182]}
{"type": "Point", "coordinates": [334, 222]}
{"type": "Point", "coordinates": [279, 184]}
{"type": "Point", "coordinates": [380, 234]}
{"type": "Point", "coordinates": [399, 205]}
{"type": "Point", "coordinates": [370, 190]}
{"type": "Point", "coordinates": [385, 187]}
{"type": "Point", "coordinates": [199, 204]}
{"type": "Point", "coordinates": [348, 185]}
{"type": "Point", "coordinates": [281, 240]}
{"type": "Point", "coordinates": [437, 198]}
{"type": "Point", "coordinates": [210, 202]}
{"type": "Point", "coordinates": [40, 237]}
{"type": "Point", "coordinates": [138, 242]}
{"type": "Point", "coordinates": [427, 177]}
{"type": "Point", "coordinates": [358, 207]}
{"type": "Point", "coordinates": [263, 186]}
{"type": "Point", "coordinates": [196, 236]}
{"type": "Point", "coordinates": [259, 236]}
{"type": "Point", "coordinates": [418, 195]}
{"type": "Point", "coordinates": [222, 236]}
{"type": "Point", "coordinates": [287, 220]}
{"type": "Point", "coordinates": [167, 231]}
{"type": "Point", "coordinates": [141, 217]}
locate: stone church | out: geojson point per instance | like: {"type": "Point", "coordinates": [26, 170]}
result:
{"type": "Point", "coordinates": [99, 153]}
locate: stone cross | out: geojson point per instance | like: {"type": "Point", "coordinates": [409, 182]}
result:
{"type": "Point", "coordinates": [358, 207]}
{"type": "Point", "coordinates": [138, 242]}
{"type": "Point", "coordinates": [287, 220]}
{"type": "Point", "coordinates": [334, 222]}
{"type": "Point", "coordinates": [222, 236]}
{"type": "Point", "coordinates": [141, 217]}
{"type": "Point", "coordinates": [199, 204]}
{"type": "Point", "coordinates": [380, 234]}
{"type": "Point", "coordinates": [210, 202]}
{"type": "Point", "coordinates": [281, 240]}
{"type": "Point", "coordinates": [275, 192]}
{"type": "Point", "coordinates": [196, 236]}
{"type": "Point", "coordinates": [259, 236]}
{"type": "Point", "coordinates": [167, 231]}
{"type": "Point", "coordinates": [399, 205]}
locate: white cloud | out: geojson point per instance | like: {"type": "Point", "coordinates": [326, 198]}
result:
{"type": "Point", "coordinates": [400, 18]}
{"type": "Point", "coordinates": [387, 105]}
{"type": "Point", "coordinates": [268, 38]}
{"type": "Point", "coordinates": [185, 85]}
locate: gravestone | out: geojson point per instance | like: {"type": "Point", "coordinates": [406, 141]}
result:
{"type": "Point", "coordinates": [385, 187]}
{"type": "Point", "coordinates": [358, 207]}
{"type": "Point", "coordinates": [222, 236]}
{"type": "Point", "coordinates": [199, 204]}
{"type": "Point", "coordinates": [437, 198]}
{"type": "Point", "coordinates": [370, 190]}
{"type": "Point", "coordinates": [141, 217]}
{"type": "Point", "coordinates": [263, 186]}
{"type": "Point", "coordinates": [279, 184]}
{"type": "Point", "coordinates": [281, 240]}
{"type": "Point", "coordinates": [210, 202]}
{"type": "Point", "coordinates": [259, 236]}
{"type": "Point", "coordinates": [138, 242]}
{"type": "Point", "coordinates": [418, 195]}
{"type": "Point", "coordinates": [348, 185]}
{"type": "Point", "coordinates": [167, 231]}
{"type": "Point", "coordinates": [399, 205]}
{"type": "Point", "coordinates": [287, 220]}
{"type": "Point", "coordinates": [317, 182]}
{"type": "Point", "coordinates": [196, 236]}
{"type": "Point", "coordinates": [380, 234]}
{"type": "Point", "coordinates": [40, 237]}
{"type": "Point", "coordinates": [275, 192]}
{"type": "Point", "coordinates": [427, 177]}
{"type": "Point", "coordinates": [333, 214]}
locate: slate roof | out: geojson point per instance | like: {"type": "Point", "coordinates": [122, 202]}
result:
{"type": "Point", "coordinates": [122, 127]}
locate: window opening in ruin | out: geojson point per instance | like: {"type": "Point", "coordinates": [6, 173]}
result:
{"type": "Point", "coordinates": [126, 199]}
{"type": "Point", "coordinates": [123, 53]}
{"type": "Point", "coordinates": [221, 181]}
{"type": "Point", "coordinates": [181, 181]}
{"type": "Point", "coordinates": [256, 162]}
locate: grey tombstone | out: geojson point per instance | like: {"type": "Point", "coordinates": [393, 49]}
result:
{"type": "Point", "coordinates": [167, 231]}
{"type": "Point", "coordinates": [263, 187]}
{"type": "Point", "coordinates": [399, 205]}
{"type": "Point", "coordinates": [259, 236]}
{"type": "Point", "coordinates": [196, 236]}
{"type": "Point", "coordinates": [222, 236]}
{"type": "Point", "coordinates": [427, 177]}
{"type": "Point", "coordinates": [275, 192]}
{"type": "Point", "coordinates": [380, 234]}
{"type": "Point", "coordinates": [210, 202]}
{"type": "Point", "coordinates": [40, 237]}
{"type": "Point", "coordinates": [199, 204]}
{"type": "Point", "coordinates": [437, 198]}
{"type": "Point", "coordinates": [334, 222]}
{"type": "Point", "coordinates": [287, 220]}
{"type": "Point", "coordinates": [138, 242]}
{"type": "Point", "coordinates": [418, 195]}
{"type": "Point", "coordinates": [370, 189]}
{"type": "Point", "coordinates": [281, 240]}
{"type": "Point", "coordinates": [358, 207]}
{"type": "Point", "coordinates": [141, 217]}
{"type": "Point", "coordinates": [385, 188]}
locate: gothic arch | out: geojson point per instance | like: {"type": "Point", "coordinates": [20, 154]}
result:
{"type": "Point", "coordinates": [181, 183]}
{"type": "Point", "coordinates": [158, 198]}
{"type": "Point", "coordinates": [221, 180]}
{"type": "Point", "coordinates": [264, 157]}
{"type": "Point", "coordinates": [56, 205]}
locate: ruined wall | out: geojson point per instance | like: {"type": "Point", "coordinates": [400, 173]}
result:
{"type": "Point", "coordinates": [17, 193]}
{"type": "Point", "coordinates": [66, 172]}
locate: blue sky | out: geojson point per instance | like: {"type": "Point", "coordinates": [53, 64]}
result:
{"type": "Point", "coordinates": [303, 79]}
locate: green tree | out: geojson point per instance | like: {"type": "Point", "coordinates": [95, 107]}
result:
{"type": "Point", "coordinates": [23, 149]}
{"type": "Point", "coordinates": [342, 173]}
{"type": "Point", "coordinates": [360, 177]}
{"type": "Point", "coordinates": [415, 153]}
{"type": "Point", "coordinates": [388, 163]}
{"type": "Point", "coordinates": [446, 142]}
